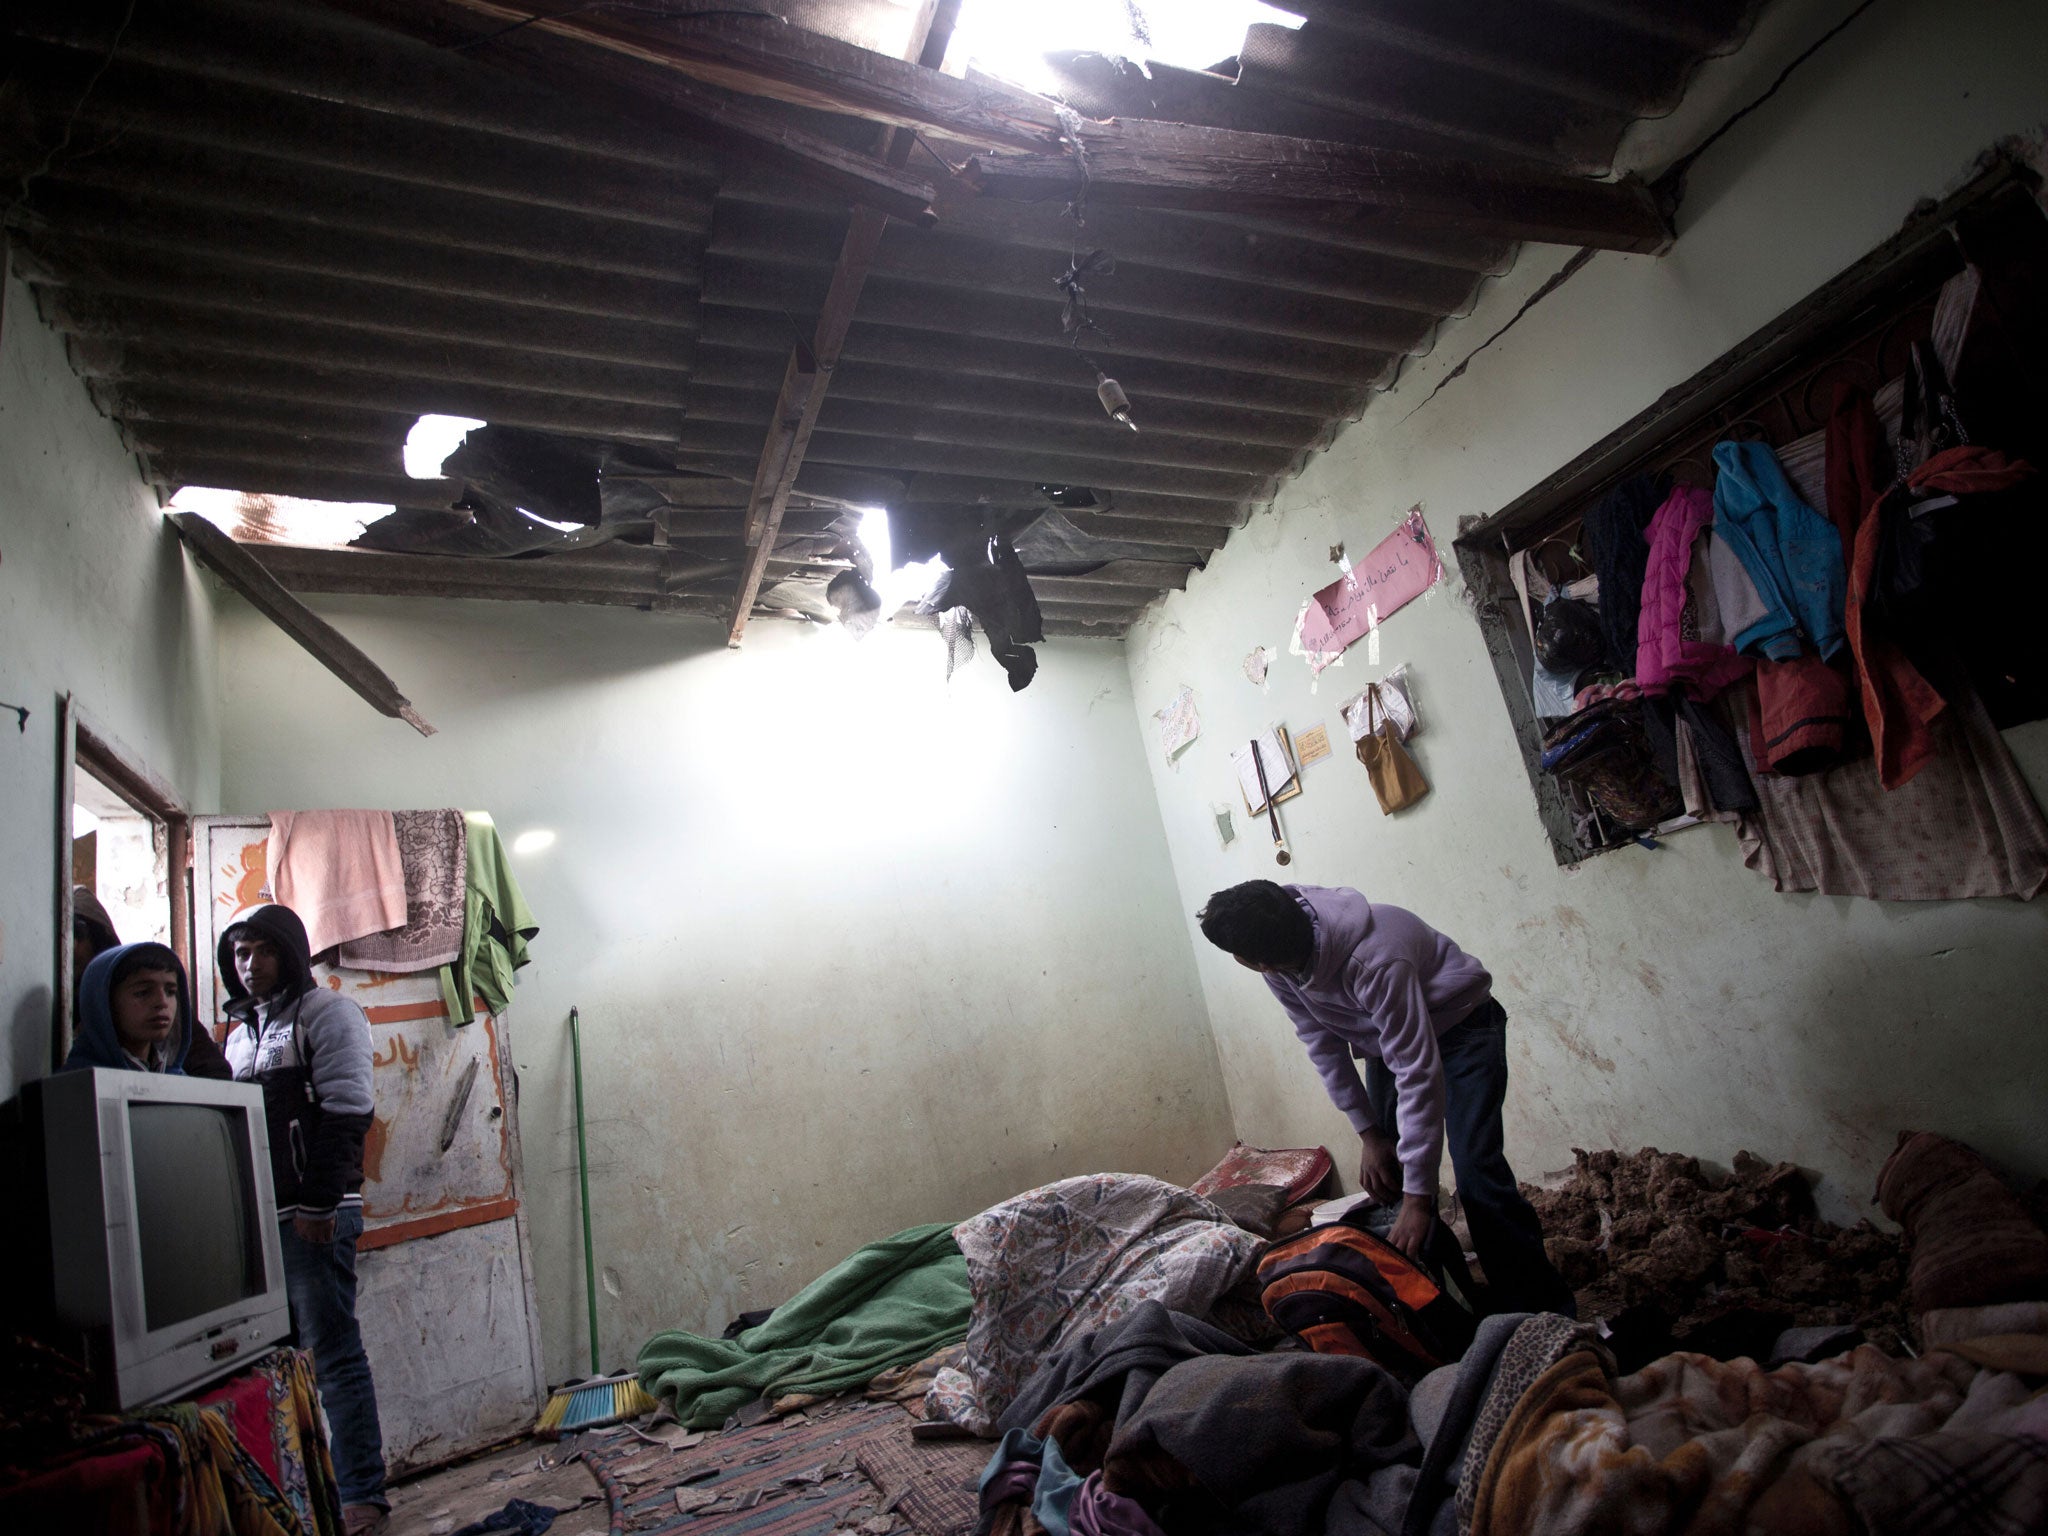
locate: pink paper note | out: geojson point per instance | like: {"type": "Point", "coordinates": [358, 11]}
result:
{"type": "Point", "coordinates": [1400, 568]}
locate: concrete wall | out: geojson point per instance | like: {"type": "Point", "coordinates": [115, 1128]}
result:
{"type": "Point", "coordinates": [1665, 998]}
{"type": "Point", "coordinates": [855, 948]}
{"type": "Point", "coordinates": [96, 599]}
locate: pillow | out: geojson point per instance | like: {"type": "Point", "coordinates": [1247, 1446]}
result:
{"type": "Point", "coordinates": [1971, 1241]}
{"type": "Point", "coordinates": [1299, 1171]}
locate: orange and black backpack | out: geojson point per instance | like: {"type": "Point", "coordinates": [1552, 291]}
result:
{"type": "Point", "coordinates": [1343, 1291]}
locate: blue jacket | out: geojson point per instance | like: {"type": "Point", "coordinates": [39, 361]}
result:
{"type": "Point", "coordinates": [96, 1044]}
{"type": "Point", "coordinates": [1792, 553]}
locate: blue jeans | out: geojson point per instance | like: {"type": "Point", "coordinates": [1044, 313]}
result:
{"type": "Point", "coordinates": [1506, 1233]}
{"type": "Point", "coordinates": [320, 1279]}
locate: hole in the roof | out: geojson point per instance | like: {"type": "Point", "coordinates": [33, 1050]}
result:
{"type": "Point", "coordinates": [253, 518]}
{"type": "Point", "coordinates": [1011, 40]}
{"type": "Point", "coordinates": [431, 440]}
{"type": "Point", "coordinates": [894, 584]}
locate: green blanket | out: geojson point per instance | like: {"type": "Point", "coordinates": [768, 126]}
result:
{"type": "Point", "coordinates": [891, 1303]}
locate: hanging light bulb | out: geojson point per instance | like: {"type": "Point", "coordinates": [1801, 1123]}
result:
{"type": "Point", "coordinates": [1113, 399]}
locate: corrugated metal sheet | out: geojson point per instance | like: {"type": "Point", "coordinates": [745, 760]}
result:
{"type": "Point", "coordinates": [274, 235]}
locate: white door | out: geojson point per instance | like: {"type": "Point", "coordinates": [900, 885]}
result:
{"type": "Point", "coordinates": [444, 1273]}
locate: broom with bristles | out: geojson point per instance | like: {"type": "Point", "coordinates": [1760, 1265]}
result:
{"type": "Point", "coordinates": [598, 1399]}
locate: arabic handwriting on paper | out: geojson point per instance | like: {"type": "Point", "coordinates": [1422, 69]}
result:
{"type": "Point", "coordinates": [1399, 569]}
{"type": "Point", "coordinates": [1312, 745]}
{"type": "Point", "coordinates": [1178, 723]}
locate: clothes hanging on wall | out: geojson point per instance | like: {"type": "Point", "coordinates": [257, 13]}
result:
{"type": "Point", "coordinates": [496, 926]}
{"type": "Point", "coordinates": [341, 871]}
{"type": "Point", "coordinates": [1790, 551]}
{"type": "Point", "coordinates": [1671, 650]}
{"type": "Point", "coordinates": [434, 848]}
{"type": "Point", "coordinates": [1943, 597]}
{"type": "Point", "coordinates": [1805, 716]}
{"type": "Point", "coordinates": [1616, 538]}
{"type": "Point", "coordinates": [1740, 606]}
{"type": "Point", "coordinates": [1900, 707]}
{"type": "Point", "coordinates": [1717, 758]}
{"type": "Point", "coordinates": [1966, 825]}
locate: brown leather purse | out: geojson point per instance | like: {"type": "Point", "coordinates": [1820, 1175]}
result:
{"type": "Point", "coordinates": [1395, 778]}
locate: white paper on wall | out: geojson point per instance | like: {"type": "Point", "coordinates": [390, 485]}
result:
{"type": "Point", "coordinates": [1397, 700]}
{"type": "Point", "coordinates": [1178, 723]}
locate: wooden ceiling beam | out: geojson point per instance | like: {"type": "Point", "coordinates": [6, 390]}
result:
{"type": "Point", "coordinates": [770, 58]}
{"type": "Point", "coordinates": [518, 42]}
{"type": "Point", "coordinates": [327, 645]}
{"type": "Point", "coordinates": [809, 371]}
{"type": "Point", "coordinates": [1033, 149]}
{"type": "Point", "coordinates": [1144, 164]}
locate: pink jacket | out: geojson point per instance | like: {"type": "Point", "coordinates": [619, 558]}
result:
{"type": "Point", "coordinates": [1665, 656]}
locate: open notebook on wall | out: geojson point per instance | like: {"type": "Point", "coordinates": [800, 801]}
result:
{"type": "Point", "coordinates": [1276, 756]}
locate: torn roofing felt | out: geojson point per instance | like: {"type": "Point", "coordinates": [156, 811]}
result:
{"type": "Point", "coordinates": [275, 232]}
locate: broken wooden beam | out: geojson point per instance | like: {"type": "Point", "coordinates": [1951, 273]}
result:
{"type": "Point", "coordinates": [240, 570]}
{"type": "Point", "coordinates": [809, 372]}
{"type": "Point", "coordinates": [1144, 164]}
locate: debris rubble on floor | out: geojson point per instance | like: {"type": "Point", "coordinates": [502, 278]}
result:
{"type": "Point", "coordinates": [1666, 1251]}
{"type": "Point", "coordinates": [801, 1475]}
{"type": "Point", "coordinates": [1102, 1378]}
{"type": "Point", "coordinates": [536, 1473]}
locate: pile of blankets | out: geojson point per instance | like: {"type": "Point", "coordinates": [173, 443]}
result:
{"type": "Point", "coordinates": [1090, 1328]}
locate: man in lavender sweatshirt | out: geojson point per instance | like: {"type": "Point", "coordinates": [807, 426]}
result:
{"type": "Point", "coordinates": [1364, 979]}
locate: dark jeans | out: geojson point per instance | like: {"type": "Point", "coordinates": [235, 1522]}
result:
{"type": "Point", "coordinates": [320, 1279]}
{"type": "Point", "coordinates": [1505, 1231]}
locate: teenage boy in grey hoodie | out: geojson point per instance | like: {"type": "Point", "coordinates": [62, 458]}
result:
{"type": "Point", "coordinates": [1364, 979]}
{"type": "Point", "coordinates": [309, 1047]}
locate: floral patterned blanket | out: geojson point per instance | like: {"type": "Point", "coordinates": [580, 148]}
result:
{"type": "Point", "coordinates": [1059, 1262]}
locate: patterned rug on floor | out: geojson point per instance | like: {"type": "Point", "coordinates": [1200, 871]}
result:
{"type": "Point", "coordinates": [931, 1484]}
{"type": "Point", "coordinates": [798, 1477]}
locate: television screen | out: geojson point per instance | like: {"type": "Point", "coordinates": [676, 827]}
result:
{"type": "Point", "coordinates": [195, 1230]}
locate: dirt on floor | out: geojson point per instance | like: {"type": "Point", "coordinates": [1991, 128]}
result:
{"type": "Point", "coordinates": [1718, 1259]}
{"type": "Point", "coordinates": [437, 1503]}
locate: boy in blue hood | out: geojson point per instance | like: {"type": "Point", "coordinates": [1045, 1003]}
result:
{"type": "Point", "coordinates": [134, 1012]}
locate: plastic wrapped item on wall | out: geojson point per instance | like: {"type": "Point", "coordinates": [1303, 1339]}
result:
{"type": "Point", "coordinates": [996, 591]}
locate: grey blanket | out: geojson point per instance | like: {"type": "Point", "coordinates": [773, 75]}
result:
{"type": "Point", "coordinates": [1120, 1363]}
{"type": "Point", "coordinates": [1268, 1438]}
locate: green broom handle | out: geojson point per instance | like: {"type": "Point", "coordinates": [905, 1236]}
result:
{"type": "Point", "coordinates": [583, 1174]}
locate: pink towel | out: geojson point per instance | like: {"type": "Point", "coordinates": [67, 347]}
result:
{"type": "Point", "coordinates": [340, 871]}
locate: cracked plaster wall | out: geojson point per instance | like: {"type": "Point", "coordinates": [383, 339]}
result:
{"type": "Point", "coordinates": [1666, 998]}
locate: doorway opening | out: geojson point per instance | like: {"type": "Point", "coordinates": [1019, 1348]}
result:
{"type": "Point", "coordinates": [123, 873]}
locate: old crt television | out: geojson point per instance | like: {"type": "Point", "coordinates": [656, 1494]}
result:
{"type": "Point", "coordinates": [150, 1249]}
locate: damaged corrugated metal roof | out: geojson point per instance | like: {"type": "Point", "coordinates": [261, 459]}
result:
{"type": "Point", "coordinates": [274, 234]}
